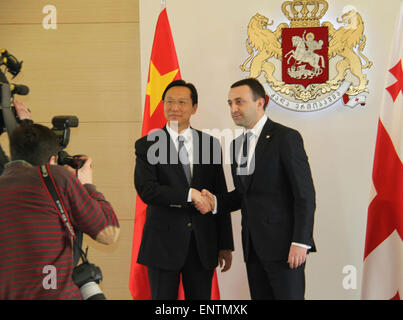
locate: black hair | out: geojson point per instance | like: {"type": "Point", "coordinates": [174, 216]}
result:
{"type": "Point", "coordinates": [256, 87]}
{"type": "Point", "coordinates": [183, 83]}
{"type": "Point", "coordinates": [33, 143]}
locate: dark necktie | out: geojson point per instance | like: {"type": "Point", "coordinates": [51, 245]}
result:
{"type": "Point", "coordinates": [243, 163]}
{"type": "Point", "coordinates": [184, 157]}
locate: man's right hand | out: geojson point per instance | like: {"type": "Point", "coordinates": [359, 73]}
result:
{"type": "Point", "coordinates": [201, 203]}
{"type": "Point", "coordinates": [209, 196]}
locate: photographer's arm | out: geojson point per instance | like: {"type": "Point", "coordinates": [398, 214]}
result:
{"type": "Point", "coordinates": [109, 234]}
{"type": "Point", "coordinates": [92, 215]}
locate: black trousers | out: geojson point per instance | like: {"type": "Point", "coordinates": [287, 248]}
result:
{"type": "Point", "coordinates": [196, 280]}
{"type": "Point", "coordinates": [274, 280]}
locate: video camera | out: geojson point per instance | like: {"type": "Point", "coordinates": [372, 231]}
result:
{"type": "Point", "coordinates": [86, 276]}
{"type": "Point", "coordinates": [8, 116]}
{"type": "Point", "coordinates": [9, 119]}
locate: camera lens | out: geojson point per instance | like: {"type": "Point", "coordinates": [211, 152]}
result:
{"type": "Point", "coordinates": [91, 291]}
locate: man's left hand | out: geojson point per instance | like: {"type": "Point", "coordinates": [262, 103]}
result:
{"type": "Point", "coordinates": [225, 259]}
{"type": "Point", "coordinates": [297, 256]}
{"type": "Point", "coordinates": [22, 111]}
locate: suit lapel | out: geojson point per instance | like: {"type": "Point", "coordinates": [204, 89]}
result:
{"type": "Point", "coordinates": [263, 140]}
{"type": "Point", "coordinates": [262, 143]}
{"type": "Point", "coordinates": [197, 154]}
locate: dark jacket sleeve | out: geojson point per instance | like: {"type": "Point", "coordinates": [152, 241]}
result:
{"type": "Point", "coordinates": [297, 168]}
{"type": "Point", "coordinates": [225, 236]}
{"type": "Point", "coordinates": [230, 201]}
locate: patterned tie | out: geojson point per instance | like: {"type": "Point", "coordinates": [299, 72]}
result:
{"type": "Point", "coordinates": [184, 157]}
{"type": "Point", "coordinates": [243, 163]}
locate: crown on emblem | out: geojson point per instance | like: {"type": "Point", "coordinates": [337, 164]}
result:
{"type": "Point", "coordinates": [304, 13]}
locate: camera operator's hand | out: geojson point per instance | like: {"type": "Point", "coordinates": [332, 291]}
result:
{"type": "Point", "coordinates": [84, 174]}
{"type": "Point", "coordinates": [22, 111]}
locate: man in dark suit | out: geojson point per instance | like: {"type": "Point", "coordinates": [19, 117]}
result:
{"type": "Point", "coordinates": [172, 165]}
{"type": "Point", "coordinates": [275, 192]}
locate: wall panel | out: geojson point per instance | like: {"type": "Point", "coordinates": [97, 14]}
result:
{"type": "Point", "coordinates": [72, 11]}
{"type": "Point", "coordinates": [89, 67]}
{"type": "Point", "coordinates": [89, 70]}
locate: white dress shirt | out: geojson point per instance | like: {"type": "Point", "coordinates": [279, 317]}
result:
{"type": "Point", "coordinates": [188, 142]}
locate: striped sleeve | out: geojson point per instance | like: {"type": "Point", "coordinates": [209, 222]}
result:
{"type": "Point", "coordinates": [88, 208]}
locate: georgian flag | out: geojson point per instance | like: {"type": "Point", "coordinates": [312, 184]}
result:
{"type": "Point", "coordinates": [383, 254]}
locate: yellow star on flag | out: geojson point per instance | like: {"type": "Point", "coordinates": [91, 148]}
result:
{"type": "Point", "coordinates": [157, 85]}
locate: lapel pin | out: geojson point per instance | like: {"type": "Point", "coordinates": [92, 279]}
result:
{"type": "Point", "coordinates": [268, 137]}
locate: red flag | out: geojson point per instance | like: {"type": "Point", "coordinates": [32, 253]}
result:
{"type": "Point", "coordinates": [383, 254]}
{"type": "Point", "coordinates": [163, 69]}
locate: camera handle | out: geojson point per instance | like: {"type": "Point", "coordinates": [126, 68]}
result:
{"type": "Point", "coordinates": [8, 116]}
{"type": "Point", "coordinates": [49, 184]}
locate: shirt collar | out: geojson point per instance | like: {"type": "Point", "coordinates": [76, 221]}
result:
{"type": "Point", "coordinates": [257, 129]}
{"type": "Point", "coordinates": [18, 163]}
{"type": "Point", "coordinates": [187, 133]}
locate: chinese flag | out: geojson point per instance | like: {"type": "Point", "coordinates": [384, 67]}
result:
{"type": "Point", "coordinates": [383, 255]}
{"type": "Point", "coordinates": [163, 69]}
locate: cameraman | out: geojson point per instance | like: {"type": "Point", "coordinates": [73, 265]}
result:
{"type": "Point", "coordinates": [35, 248]}
{"type": "Point", "coordinates": [22, 113]}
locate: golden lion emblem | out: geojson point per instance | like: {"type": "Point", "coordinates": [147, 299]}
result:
{"type": "Point", "coordinates": [347, 42]}
{"type": "Point", "coordinates": [267, 43]}
{"type": "Point", "coordinates": [342, 43]}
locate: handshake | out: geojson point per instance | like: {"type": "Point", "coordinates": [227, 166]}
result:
{"type": "Point", "coordinates": [204, 201]}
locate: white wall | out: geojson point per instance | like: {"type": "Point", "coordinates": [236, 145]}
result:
{"type": "Point", "coordinates": [209, 37]}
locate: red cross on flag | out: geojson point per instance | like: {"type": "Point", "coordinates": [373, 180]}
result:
{"type": "Point", "coordinates": [383, 254]}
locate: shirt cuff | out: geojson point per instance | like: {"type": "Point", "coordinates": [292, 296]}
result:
{"type": "Point", "coordinates": [190, 195]}
{"type": "Point", "coordinates": [215, 205]}
{"type": "Point", "coordinates": [301, 245]}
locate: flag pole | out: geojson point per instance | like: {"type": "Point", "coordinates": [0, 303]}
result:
{"type": "Point", "coordinates": [163, 4]}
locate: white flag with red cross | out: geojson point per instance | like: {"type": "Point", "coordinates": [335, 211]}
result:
{"type": "Point", "coordinates": [383, 254]}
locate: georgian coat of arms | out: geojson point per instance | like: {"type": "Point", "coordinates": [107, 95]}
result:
{"type": "Point", "coordinates": [320, 64]}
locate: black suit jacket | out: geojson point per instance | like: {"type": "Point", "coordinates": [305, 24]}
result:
{"type": "Point", "coordinates": [161, 183]}
{"type": "Point", "coordinates": [278, 200]}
